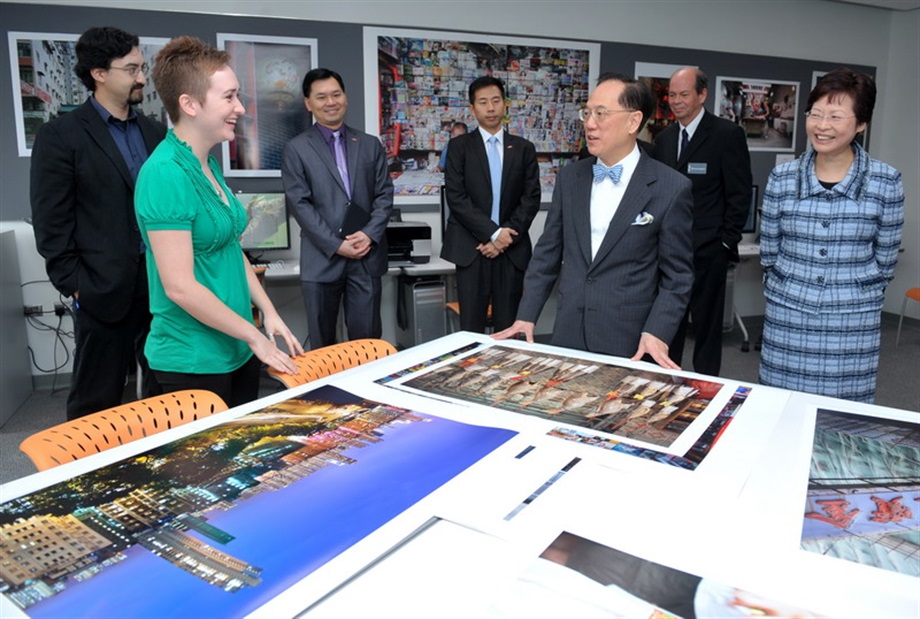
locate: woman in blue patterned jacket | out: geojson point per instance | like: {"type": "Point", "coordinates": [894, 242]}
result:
{"type": "Point", "coordinates": [829, 243]}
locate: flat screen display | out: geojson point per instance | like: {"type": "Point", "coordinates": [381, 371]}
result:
{"type": "Point", "coordinates": [268, 222]}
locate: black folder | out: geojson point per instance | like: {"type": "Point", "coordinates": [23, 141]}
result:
{"type": "Point", "coordinates": [355, 218]}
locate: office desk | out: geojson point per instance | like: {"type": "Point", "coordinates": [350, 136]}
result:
{"type": "Point", "coordinates": [465, 540]}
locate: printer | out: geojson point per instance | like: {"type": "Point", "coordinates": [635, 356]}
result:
{"type": "Point", "coordinates": [409, 243]}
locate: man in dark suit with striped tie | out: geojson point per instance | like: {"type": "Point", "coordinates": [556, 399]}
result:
{"type": "Point", "coordinates": [617, 239]}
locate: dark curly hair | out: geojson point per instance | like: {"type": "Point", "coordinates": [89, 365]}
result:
{"type": "Point", "coordinates": [97, 48]}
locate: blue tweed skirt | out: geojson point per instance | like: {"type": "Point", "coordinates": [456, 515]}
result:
{"type": "Point", "coordinates": [826, 354]}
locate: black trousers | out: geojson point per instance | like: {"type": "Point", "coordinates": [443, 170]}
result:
{"type": "Point", "coordinates": [237, 387]}
{"type": "Point", "coordinates": [104, 354]}
{"type": "Point", "coordinates": [361, 295]}
{"type": "Point", "coordinates": [706, 310]}
{"type": "Point", "coordinates": [496, 281]}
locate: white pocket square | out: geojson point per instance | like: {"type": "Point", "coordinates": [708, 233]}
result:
{"type": "Point", "coordinates": [643, 219]}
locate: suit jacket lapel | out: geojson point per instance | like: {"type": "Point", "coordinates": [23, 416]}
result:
{"type": "Point", "coordinates": [634, 200]}
{"type": "Point", "coordinates": [479, 148]}
{"type": "Point", "coordinates": [581, 217]}
{"type": "Point", "coordinates": [316, 141]}
{"type": "Point", "coordinates": [99, 133]}
{"type": "Point", "coordinates": [353, 152]}
{"type": "Point", "coordinates": [666, 145]}
{"type": "Point", "coordinates": [699, 137]}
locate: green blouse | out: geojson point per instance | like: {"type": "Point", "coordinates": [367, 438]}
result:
{"type": "Point", "coordinates": [173, 193]}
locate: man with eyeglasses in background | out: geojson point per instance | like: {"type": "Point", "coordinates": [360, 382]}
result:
{"type": "Point", "coordinates": [617, 238]}
{"type": "Point", "coordinates": [713, 153]}
{"type": "Point", "coordinates": [84, 166]}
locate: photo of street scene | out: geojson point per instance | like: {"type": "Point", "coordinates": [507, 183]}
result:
{"type": "Point", "coordinates": [863, 501]}
{"type": "Point", "coordinates": [222, 521]}
{"type": "Point", "coordinates": [640, 405]}
{"type": "Point", "coordinates": [578, 577]}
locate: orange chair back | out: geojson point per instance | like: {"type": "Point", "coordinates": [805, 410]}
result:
{"type": "Point", "coordinates": [329, 360]}
{"type": "Point", "coordinates": [116, 426]}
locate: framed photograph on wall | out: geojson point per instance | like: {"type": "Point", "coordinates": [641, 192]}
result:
{"type": "Point", "coordinates": [271, 71]}
{"type": "Point", "coordinates": [767, 110]}
{"type": "Point", "coordinates": [416, 87]}
{"type": "Point", "coordinates": [42, 70]}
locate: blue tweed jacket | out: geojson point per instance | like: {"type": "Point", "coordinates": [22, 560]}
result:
{"type": "Point", "coordinates": [831, 250]}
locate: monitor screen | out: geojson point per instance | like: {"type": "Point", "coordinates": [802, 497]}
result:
{"type": "Point", "coordinates": [268, 222]}
{"type": "Point", "coordinates": [751, 224]}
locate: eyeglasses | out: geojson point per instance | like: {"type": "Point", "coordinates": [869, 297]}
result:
{"type": "Point", "coordinates": [599, 113]}
{"type": "Point", "coordinates": [833, 119]}
{"type": "Point", "coordinates": [133, 69]}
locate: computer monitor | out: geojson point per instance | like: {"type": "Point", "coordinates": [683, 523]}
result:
{"type": "Point", "coordinates": [268, 222]}
{"type": "Point", "coordinates": [750, 226]}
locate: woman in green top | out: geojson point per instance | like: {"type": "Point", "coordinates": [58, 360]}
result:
{"type": "Point", "coordinates": [201, 285]}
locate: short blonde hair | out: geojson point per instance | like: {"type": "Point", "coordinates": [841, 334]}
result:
{"type": "Point", "coordinates": [184, 67]}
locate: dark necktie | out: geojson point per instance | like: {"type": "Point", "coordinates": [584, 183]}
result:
{"type": "Point", "coordinates": [340, 161]}
{"type": "Point", "coordinates": [684, 142]}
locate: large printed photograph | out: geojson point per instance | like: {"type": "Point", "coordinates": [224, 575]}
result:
{"type": "Point", "coordinates": [41, 67]}
{"type": "Point", "coordinates": [766, 109]}
{"type": "Point", "coordinates": [416, 89]}
{"type": "Point", "coordinates": [271, 72]}
{"type": "Point", "coordinates": [863, 498]}
{"type": "Point", "coordinates": [223, 521]}
{"type": "Point", "coordinates": [645, 413]}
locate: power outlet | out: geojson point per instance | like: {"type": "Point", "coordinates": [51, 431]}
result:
{"type": "Point", "coordinates": [32, 310]}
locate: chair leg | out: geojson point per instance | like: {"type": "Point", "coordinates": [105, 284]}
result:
{"type": "Point", "coordinates": [897, 341]}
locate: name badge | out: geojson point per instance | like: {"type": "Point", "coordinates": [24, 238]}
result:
{"type": "Point", "coordinates": [696, 168]}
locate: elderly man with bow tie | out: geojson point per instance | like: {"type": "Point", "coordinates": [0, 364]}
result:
{"type": "Point", "coordinates": [617, 237]}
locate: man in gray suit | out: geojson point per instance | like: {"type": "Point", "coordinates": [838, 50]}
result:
{"type": "Point", "coordinates": [617, 237]}
{"type": "Point", "coordinates": [337, 186]}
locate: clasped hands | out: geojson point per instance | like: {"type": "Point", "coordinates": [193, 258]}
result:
{"type": "Point", "coordinates": [355, 245]}
{"type": "Point", "coordinates": [492, 249]}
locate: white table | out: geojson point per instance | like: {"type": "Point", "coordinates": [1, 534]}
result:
{"type": "Point", "coordinates": [457, 553]}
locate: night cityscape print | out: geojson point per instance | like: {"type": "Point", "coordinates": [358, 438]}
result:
{"type": "Point", "coordinates": [226, 519]}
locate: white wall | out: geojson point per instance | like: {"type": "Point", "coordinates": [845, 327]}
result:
{"type": "Point", "coordinates": [813, 29]}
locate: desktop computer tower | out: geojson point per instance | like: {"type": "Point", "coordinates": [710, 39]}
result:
{"type": "Point", "coordinates": [420, 313]}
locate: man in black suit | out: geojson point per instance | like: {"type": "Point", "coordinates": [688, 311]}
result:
{"type": "Point", "coordinates": [712, 152]}
{"type": "Point", "coordinates": [84, 166]}
{"type": "Point", "coordinates": [492, 183]}
{"type": "Point", "coordinates": [616, 238]}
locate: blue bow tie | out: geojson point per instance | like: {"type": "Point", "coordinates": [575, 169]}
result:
{"type": "Point", "coordinates": [601, 172]}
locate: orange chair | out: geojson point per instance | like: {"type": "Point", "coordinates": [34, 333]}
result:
{"type": "Point", "coordinates": [119, 425]}
{"type": "Point", "coordinates": [913, 293]}
{"type": "Point", "coordinates": [329, 360]}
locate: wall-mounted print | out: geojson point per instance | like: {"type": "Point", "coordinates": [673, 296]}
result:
{"type": "Point", "coordinates": [270, 71]}
{"type": "Point", "coordinates": [416, 87]}
{"type": "Point", "coordinates": [765, 109]}
{"type": "Point", "coordinates": [41, 67]}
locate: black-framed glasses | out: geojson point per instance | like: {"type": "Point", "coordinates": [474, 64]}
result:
{"type": "Point", "coordinates": [133, 69]}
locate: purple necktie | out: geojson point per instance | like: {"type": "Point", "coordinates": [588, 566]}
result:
{"type": "Point", "coordinates": [340, 162]}
{"type": "Point", "coordinates": [684, 142]}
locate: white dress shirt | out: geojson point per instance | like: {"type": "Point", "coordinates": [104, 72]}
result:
{"type": "Point", "coordinates": [606, 197]}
